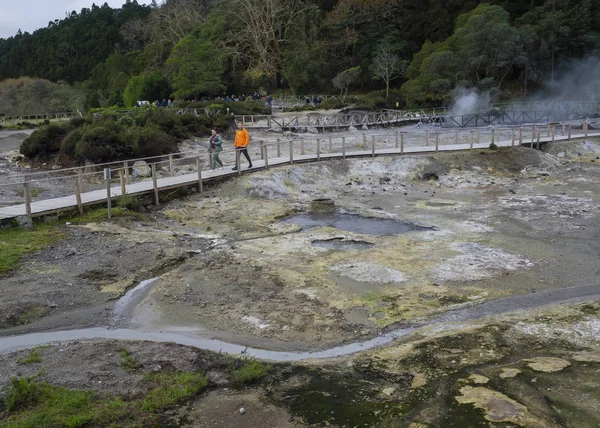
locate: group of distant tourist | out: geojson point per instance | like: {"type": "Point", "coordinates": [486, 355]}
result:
{"type": "Point", "coordinates": [171, 102]}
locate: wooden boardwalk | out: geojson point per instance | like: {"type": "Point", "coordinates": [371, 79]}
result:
{"type": "Point", "coordinates": [150, 186]}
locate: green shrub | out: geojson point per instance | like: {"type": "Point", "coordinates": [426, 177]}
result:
{"type": "Point", "coordinates": [493, 146]}
{"type": "Point", "coordinates": [172, 388]}
{"type": "Point", "coordinates": [45, 141]}
{"type": "Point", "coordinates": [102, 144]}
{"type": "Point", "coordinates": [126, 121]}
{"type": "Point", "coordinates": [130, 202]}
{"type": "Point", "coordinates": [22, 393]}
{"type": "Point", "coordinates": [150, 141]}
{"type": "Point", "coordinates": [249, 372]}
{"type": "Point", "coordinates": [69, 143]}
{"type": "Point", "coordinates": [332, 104]}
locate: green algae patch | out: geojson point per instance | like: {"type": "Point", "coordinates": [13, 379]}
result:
{"type": "Point", "coordinates": [14, 243]}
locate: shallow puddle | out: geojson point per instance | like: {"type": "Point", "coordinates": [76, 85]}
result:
{"type": "Point", "coordinates": [354, 223]}
{"type": "Point", "coordinates": [342, 244]}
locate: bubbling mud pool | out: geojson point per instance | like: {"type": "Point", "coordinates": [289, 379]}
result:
{"type": "Point", "coordinates": [355, 223]}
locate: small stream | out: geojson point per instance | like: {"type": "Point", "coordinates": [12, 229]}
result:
{"type": "Point", "coordinates": [189, 337]}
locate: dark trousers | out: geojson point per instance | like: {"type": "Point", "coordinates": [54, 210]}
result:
{"type": "Point", "coordinates": [245, 153]}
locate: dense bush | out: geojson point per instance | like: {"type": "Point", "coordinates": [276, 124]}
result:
{"type": "Point", "coordinates": [111, 135]}
{"type": "Point", "coordinates": [45, 141]}
{"type": "Point", "coordinates": [150, 141]}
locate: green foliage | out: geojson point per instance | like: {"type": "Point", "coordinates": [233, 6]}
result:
{"type": "Point", "coordinates": [147, 87]}
{"type": "Point", "coordinates": [23, 392]}
{"type": "Point", "coordinates": [127, 361]}
{"type": "Point", "coordinates": [33, 357]}
{"type": "Point", "coordinates": [127, 201]}
{"type": "Point", "coordinates": [101, 214]}
{"type": "Point", "coordinates": [196, 67]}
{"type": "Point", "coordinates": [493, 146]}
{"type": "Point", "coordinates": [68, 145]}
{"type": "Point", "coordinates": [249, 372]}
{"type": "Point", "coordinates": [15, 242]}
{"type": "Point", "coordinates": [172, 388]}
{"type": "Point", "coordinates": [480, 53]}
{"type": "Point", "coordinates": [45, 141]}
{"type": "Point", "coordinates": [103, 144]}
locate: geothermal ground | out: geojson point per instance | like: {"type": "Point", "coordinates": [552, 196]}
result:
{"type": "Point", "coordinates": [483, 265]}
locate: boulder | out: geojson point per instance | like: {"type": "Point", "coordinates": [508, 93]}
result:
{"type": "Point", "coordinates": [352, 129]}
{"type": "Point", "coordinates": [141, 169]}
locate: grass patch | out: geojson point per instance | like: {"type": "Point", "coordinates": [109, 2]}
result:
{"type": "Point", "coordinates": [16, 242]}
{"type": "Point", "coordinates": [101, 214]}
{"type": "Point", "coordinates": [171, 388]}
{"type": "Point", "coordinates": [127, 361]}
{"type": "Point", "coordinates": [31, 403]}
{"type": "Point", "coordinates": [35, 192]}
{"type": "Point", "coordinates": [33, 357]}
{"type": "Point", "coordinates": [249, 372]}
{"type": "Point", "coordinates": [127, 201]}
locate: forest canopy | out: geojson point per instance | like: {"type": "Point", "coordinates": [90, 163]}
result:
{"type": "Point", "coordinates": [192, 49]}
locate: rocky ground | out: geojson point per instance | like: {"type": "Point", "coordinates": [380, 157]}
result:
{"type": "Point", "coordinates": [466, 228]}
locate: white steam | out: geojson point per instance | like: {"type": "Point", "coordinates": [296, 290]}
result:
{"type": "Point", "coordinates": [468, 101]}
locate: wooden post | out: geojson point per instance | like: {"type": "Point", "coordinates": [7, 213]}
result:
{"type": "Point", "coordinates": [238, 165]}
{"type": "Point", "coordinates": [373, 145]}
{"type": "Point", "coordinates": [472, 138]}
{"type": "Point", "coordinates": [478, 135]}
{"type": "Point", "coordinates": [78, 195]}
{"type": "Point", "coordinates": [291, 152]}
{"type": "Point", "coordinates": [27, 193]}
{"type": "Point", "coordinates": [262, 149]}
{"type": "Point", "coordinates": [199, 168]}
{"type": "Point", "coordinates": [533, 135]}
{"type": "Point", "coordinates": [498, 134]}
{"type": "Point", "coordinates": [244, 121]}
{"type": "Point", "coordinates": [548, 130]}
{"type": "Point", "coordinates": [569, 130]}
{"type": "Point", "coordinates": [563, 129]}
{"type": "Point", "coordinates": [396, 136]}
{"type": "Point", "coordinates": [553, 132]}
{"type": "Point", "coordinates": [330, 145]}
{"type": "Point", "coordinates": [210, 162]}
{"type": "Point", "coordinates": [427, 138]}
{"type": "Point", "coordinates": [456, 136]}
{"type": "Point", "coordinates": [155, 185]}
{"type": "Point", "coordinates": [171, 163]}
{"type": "Point", "coordinates": [122, 179]}
{"type": "Point", "coordinates": [539, 136]}
{"type": "Point", "coordinates": [278, 148]}
{"type": "Point", "coordinates": [585, 128]}
{"type": "Point", "coordinates": [437, 141]}
{"type": "Point", "coordinates": [493, 135]}
{"type": "Point", "coordinates": [364, 141]}
{"type": "Point", "coordinates": [266, 157]}
{"type": "Point", "coordinates": [302, 147]}
{"type": "Point", "coordinates": [520, 136]}
{"type": "Point", "coordinates": [126, 170]}
{"type": "Point", "coordinates": [108, 195]}
{"type": "Point", "coordinates": [402, 143]}
{"type": "Point", "coordinates": [512, 140]}
{"type": "Point", "coordinates": [81, 183]}
{"type": "Point", "coordinates": [343, 147]}
{"type": "Point", "coordinates": [318, 149]}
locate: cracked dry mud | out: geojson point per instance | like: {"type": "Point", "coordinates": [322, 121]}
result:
{"type": "Point", "coordinates": [495, 224]}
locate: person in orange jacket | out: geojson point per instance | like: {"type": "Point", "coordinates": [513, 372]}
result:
{"type": "Point", "coordinates": [242, 139]}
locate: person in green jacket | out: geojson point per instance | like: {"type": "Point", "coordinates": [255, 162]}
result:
{"type": "Point", "coordinates": [216, 143]}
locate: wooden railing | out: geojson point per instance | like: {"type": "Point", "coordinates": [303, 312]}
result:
{"type": "Point", "coordinates": [99, 184]}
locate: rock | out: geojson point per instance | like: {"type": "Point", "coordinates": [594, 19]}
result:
{"type": "Point", "coordinates": [312, 130]}
{"type": "Point", "coordinates": [497, 407]}
{"type": "Point", "coordinates": [388, 391]}
{"type": "Point", "coordinates": [587, 357]}
{"type": "Point", "coordinates": [365, 128]}
{"type": "Point", "coordinates": [141, 169]}
{"type": "Point", "coordinates": [509, 373]}
{"type": "Point", "coordinates": [242, 410]}
{"type": "Point", "coordinates": [322, 205]}
{"type": "Point", "coordinates": [24, 222]}
{"type": "Point", "coordinates": [50, 219]}
{"type": "Point", "coordinates": [352, 129]}
{"type": "Point", "coordinates": [548, 364]}
{"type": "Point", "coordinates": [481, 380]}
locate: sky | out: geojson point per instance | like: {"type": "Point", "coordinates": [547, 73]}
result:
{"type": "Point", "coordinates": [29, 15]}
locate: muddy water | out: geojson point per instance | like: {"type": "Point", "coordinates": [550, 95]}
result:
{"type": "Point", "coordinates": [130, 300]}
{"type": "Point", "coordinates": [189, 337]}
{"type": "Point", "coordinates": [354, 223]}
{"type": "Point", "coordinates": [342, 244]}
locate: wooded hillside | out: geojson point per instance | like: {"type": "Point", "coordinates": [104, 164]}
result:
{"type": "Point", "coordinates": [193, 49]}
